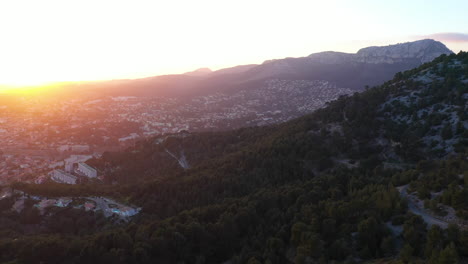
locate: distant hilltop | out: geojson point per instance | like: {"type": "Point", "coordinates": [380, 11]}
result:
{"type": "Point", "coordinates": [199, 72]}
{"type": "Point", "coordinates": [424, 50]}
{"type": "Point", "coordinates": [420, 51]}
{"type": "Point", "coordinates": [370, 66]}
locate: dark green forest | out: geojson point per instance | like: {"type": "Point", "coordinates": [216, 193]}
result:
{"type": "Point", "coordinates": [322, 188]}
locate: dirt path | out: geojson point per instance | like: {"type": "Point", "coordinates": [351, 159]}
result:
{"type": "Point", "coordinates": [415, 209]}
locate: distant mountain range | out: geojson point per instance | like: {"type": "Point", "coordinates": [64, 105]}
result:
{"type": "Point", "coordinates": [369, 66]}
{"type": "Point", "coordinates": [254, 95]}
{"type": "Point", "coordinates": [376, 177]}
{"type": "Point", "coordinates": [410, 121]}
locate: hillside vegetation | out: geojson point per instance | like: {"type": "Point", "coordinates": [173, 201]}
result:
{"type": "Point", "coordinates": [317, 189]}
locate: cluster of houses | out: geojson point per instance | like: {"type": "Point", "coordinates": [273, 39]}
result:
{"type": "Point", "coordinates": [45, 203]}
{"type": "Point", "coordinates": [108, 206]}
{"type": "Point", "coordinates": [75, 169]}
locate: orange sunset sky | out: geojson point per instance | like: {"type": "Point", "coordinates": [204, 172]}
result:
{"type": "Point", "coordinates": [50, 41]}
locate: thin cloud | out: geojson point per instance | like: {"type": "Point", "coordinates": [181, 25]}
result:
{"type": "Point", "coordinates": [447, 37]}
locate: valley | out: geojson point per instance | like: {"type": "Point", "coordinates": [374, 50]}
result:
{"type": "Point", "coordinates": [320, 184]}
{"type": "Point", "coordinates": [233, 132]}
{"type": "Point", "coordinates": [335, 185]}
{"type": "Point", "coordinates": [40, 131]}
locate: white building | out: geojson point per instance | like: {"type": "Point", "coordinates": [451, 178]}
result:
{"type": "Point", "coordinates": [69, 167]}
{"type": "Point", "coordinates": [80, 148]}
{"type": "Point", "coordinates": [86, 170]}
{"type": "Point", "coordinates": [132, 136]}
{"type": "Point", "coordinates": [56, 164]}
{"type": "Point", "coordinates": [126, 211]}
{"type": "Point", "coordinates": [74, 159]}
{"type": "Point", "coordinates": [61, 176]}
{"type": "Point", "coordinates": [63, 148]}
{"type": "Point", "coordinates": [78, 158]}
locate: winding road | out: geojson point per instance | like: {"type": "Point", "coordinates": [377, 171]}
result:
{"type": "Point", "coordinates": [415, 209]}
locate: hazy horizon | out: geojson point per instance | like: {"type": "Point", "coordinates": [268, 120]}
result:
{"type": "Point", "coordinates": [54, 41]}
{"type": "Point", "coordinates": [326, 131]}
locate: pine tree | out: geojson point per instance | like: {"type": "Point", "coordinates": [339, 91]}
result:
{"type": "Point", "coordinates": [406, 253]}
{"type": "Point", "coordinates": [449, 255]}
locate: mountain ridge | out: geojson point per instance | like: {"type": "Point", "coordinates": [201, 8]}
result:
{"type": "Point", "coordinates": [369, 66]}
{"type": "Point", "coordinates": [319, 188]}
{"type": "Point", "coordinates": [423, 50]}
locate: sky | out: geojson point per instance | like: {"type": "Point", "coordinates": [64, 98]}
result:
{"type": "Point", "coordinates": [61, 40]}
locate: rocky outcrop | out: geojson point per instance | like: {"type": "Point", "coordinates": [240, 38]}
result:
{"type": "Point", "coordinates": [422, 50]}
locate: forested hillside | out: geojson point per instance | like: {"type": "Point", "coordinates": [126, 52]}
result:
{"type": "Point", "coordinates": [328, 187]}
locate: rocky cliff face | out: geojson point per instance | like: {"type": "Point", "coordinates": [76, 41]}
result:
{"type": "Point", "coordinates": [369, 66]}
{"type": "Point", "coordinates": [422, 50]}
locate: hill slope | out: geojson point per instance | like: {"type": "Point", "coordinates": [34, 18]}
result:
{"type": "Point", "coordinates": [420, 114]}
{"type": "Point", "coordinates": [318, 188]}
